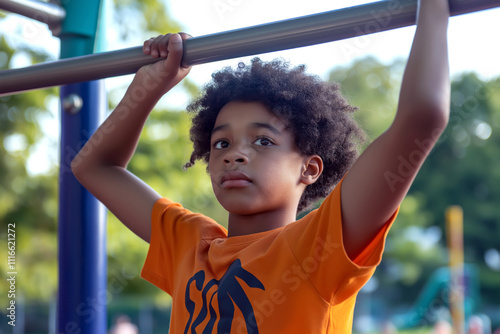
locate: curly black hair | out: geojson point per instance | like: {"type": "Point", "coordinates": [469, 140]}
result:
{"type": "Point", "coordinates": [315, 111]}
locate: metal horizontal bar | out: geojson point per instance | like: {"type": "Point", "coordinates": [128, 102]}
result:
{"type": "Point", "coordinates": [303, 31]}
{"type": "Point", "coordinates": [45, 12]}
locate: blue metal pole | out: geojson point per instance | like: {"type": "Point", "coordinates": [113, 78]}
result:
{"type": "Point", "coordinates": [82, 231]}
{"type": "Point", "coordinates": [82, 295]}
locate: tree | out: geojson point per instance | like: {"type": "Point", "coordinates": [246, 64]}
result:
{"type": "Point", "coordinates": [26, 201]}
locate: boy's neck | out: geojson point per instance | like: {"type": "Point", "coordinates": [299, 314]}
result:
{"type": "Point", "coordinates": [260, 222]}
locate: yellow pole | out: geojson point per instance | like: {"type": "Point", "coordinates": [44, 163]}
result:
{"type": "Point", "coordinates": [455, 241]}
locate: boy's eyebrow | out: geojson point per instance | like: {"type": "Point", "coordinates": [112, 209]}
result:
{"type": "Point", "coordinates": [268, 126]}
{"type": "Point", "coordinates": [256, 125]}
{"type": "Point", "coordinates": [219, 128]}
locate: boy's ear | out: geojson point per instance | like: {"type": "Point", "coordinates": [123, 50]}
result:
{"type": "Point", "coordinates": [312, 169]}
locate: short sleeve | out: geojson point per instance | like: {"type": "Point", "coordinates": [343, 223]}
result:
{"type": "Point", "coordinates": [317, 243]}
{"type": "Point", "coordinates": [176, 233]}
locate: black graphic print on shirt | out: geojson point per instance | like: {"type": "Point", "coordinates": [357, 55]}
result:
{"type": "Point", "coordinates": [228, 292]}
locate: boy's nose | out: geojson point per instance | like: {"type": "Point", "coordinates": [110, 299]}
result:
{"type": "Point", "coordinates": [236, 156]}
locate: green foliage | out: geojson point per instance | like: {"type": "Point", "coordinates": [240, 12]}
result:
{"type": "Point", "coordinates": [28, 201]}
{"type": "Point", "coordinates": [374, 89]}
{"type": "Point", "coordinates": [148, 17]}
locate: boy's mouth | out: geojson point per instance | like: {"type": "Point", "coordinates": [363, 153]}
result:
{"type": "Point", "coordinates": [235, 179]}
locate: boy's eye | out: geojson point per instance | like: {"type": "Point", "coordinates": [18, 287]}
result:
{"type": "Point", "coordinates": [263, 142]}
{"type": "Point", "coordinates": [220, 144]}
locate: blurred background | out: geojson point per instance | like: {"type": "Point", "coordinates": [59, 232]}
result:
{"type": "Point", "coordinates": [409, 290]}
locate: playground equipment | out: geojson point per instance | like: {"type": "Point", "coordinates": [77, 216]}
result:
{"type": "Point", "coordinates": [82, 256]}
{"type": "Point", "coordinates": [455, 287]}
{"type": "Point", "coordinates": [436, 295]}
{"type": "Point", "coordinates": [455, 243]}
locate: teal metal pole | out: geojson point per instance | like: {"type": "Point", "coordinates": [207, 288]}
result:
{"type": "Point", "coordinates": [82, 297]}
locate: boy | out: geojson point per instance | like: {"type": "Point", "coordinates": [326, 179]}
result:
{"type": "Point", "coordinates": [269, 273]}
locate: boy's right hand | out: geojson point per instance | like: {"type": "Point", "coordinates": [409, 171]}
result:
{"type": "Point", "coordinates": [169, 71]}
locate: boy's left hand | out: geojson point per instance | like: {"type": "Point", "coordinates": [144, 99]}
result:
{"type": "Point", "coordinates": [168, 72]}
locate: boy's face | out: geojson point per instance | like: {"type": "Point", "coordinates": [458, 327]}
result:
{"type": "Point", "coordinates": [254, 164]}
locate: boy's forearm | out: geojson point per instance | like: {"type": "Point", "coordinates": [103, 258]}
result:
{"type": "Point", "coordinates": [425, 90]}
{"type": "Point", "coordinates": [115, 141]}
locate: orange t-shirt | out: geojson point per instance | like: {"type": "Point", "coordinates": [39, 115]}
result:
{"type": "Point", "coordinates": [294, 279]}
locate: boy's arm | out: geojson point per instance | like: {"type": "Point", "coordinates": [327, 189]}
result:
{"type": "Point", "coordinates": [381, 177]}
{"type": "Point", "coordinates": [100, 166]}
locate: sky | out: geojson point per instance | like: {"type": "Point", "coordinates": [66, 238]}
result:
{"type": "Point", "coordinates": [474, 45]}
